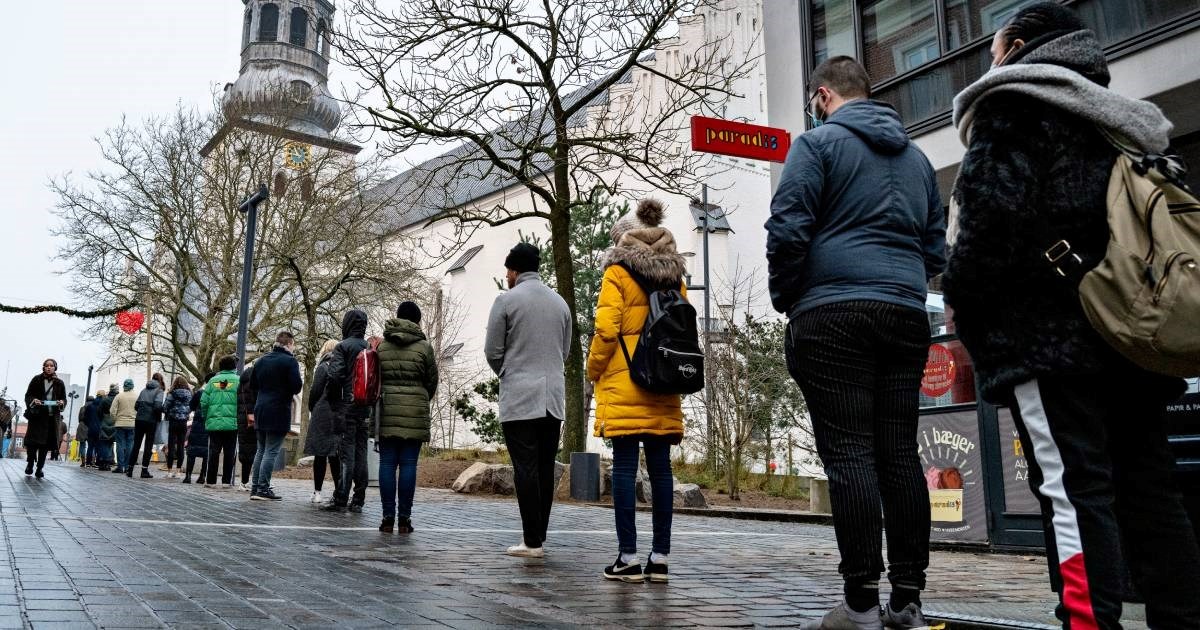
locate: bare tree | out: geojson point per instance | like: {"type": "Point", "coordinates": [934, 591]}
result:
{"type": "Point", "coordinates": [550, 97]}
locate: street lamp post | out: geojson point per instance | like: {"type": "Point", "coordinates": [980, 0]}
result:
{"type": "Point", "coordinates": [249, 206]}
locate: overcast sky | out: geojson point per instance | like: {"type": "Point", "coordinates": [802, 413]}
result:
{"type": "Point", "coordinates": [72, 69]}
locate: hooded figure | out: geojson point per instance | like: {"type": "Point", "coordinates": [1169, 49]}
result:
{"type": "Point", "coordinates": [349, 420]}
{"type": "Point", "coordinates": [643, 254]}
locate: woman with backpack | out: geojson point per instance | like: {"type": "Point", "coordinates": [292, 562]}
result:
{"type": "Point", "coordinates": [643, 259]}
{"type": "Point", "coordinates": [321, 442]}
{"type": "Point", "coordinates": [177, 408]}
{"type": "Point", "coordinates": [1093, 425]}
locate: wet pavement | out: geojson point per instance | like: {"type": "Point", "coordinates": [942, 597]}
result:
{"type": "Point", "coordinates": [88, 549]}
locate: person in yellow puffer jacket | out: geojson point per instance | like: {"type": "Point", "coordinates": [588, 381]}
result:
{"type": "Point", "coordinates": [643, 258]}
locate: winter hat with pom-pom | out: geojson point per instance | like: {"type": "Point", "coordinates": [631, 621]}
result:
{"type": "Point", "coordinates": [649, 213]}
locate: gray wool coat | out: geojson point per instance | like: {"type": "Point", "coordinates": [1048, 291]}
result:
{"type": "Point", "coordinates": [528, 338]}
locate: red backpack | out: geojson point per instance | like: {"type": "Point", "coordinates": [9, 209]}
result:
{"type": "Point", "coordinates": [365, 378]}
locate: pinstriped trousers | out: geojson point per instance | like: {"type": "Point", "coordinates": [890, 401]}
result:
{"type": "Point", "coordinates": [859, 365]}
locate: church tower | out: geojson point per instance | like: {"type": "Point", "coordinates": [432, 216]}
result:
{"type": "Point", "coordinates": [283, 86]}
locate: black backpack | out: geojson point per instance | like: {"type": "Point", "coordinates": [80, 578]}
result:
{"type": "Point", "coordinates": [668, 359]}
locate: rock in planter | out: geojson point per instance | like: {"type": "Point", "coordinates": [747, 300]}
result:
{"type": "Point", "coordinates": [642, 487]}
{"type": "Point", "coordinates": [560, 469]}
{"type": "Point", "coordinates": [605, 477]}
{"type": "Point", "coordinates": [689, 495]}
{"type": "Point", "coordinates": [306, 462]}
{"type": "Point", "coordinates": [562, 485]}
{"type": "Point", "coordinates": [472, 480]}
{"type": "Point", "coordinates": [502, 479]}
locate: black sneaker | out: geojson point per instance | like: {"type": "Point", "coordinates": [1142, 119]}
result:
{"type": "Point", "coordinates": [618, 570]}
{"type": "Point", "coordinates": [146, 474]}
{"type": "Point", "coordinates": [656, 572]}
{"type": "Point", "coordinates": [186, 480]}
{"type": "Point", "coordinates": [355, 509]}
{"type": "Point", "coordinates": [129, 473]}
{"type": "Point", "coordinates": [29, 469]}
{"type": "Point", "coordinates": [333, 507]}
{"type": "Point", "coordinates": [39, 474]}
{"type": "Point", "coordinates": [269, 495]}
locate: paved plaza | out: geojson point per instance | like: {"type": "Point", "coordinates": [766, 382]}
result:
{"type": "Point", "coordinates": [88, 549]}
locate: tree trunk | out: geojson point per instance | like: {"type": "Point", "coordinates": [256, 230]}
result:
{"type": "Point", "coordinates": [574, 438]}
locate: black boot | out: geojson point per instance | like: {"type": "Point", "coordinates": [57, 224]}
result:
{"type": "Point", "coordinates": [146, 473]}
{"type": "Point", "coordinates": [389, 523]}
{"type": "Point", "coordinates": [28, 469]}
{"type": "Point", "coordinates": [404, 526]}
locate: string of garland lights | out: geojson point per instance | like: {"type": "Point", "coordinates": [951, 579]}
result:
{"type": "Point", "coordinates": [70, 312]}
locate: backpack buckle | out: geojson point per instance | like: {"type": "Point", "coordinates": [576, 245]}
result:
{"type": "Point", "coordinates": [1061, 251]}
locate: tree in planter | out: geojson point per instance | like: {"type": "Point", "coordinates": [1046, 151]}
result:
{"type": "Point", "coordinates": [478, 410]}
{"type": "Point", "coordinates": [531, 93]}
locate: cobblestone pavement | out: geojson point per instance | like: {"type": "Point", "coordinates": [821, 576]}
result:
{"type": "Point", "coordinates": [89, 549]}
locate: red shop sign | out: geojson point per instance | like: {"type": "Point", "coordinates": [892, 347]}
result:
{"type": "Point", "coordinates": [939, 371]}
{"type": "Point", "coordinates": [726, 137]}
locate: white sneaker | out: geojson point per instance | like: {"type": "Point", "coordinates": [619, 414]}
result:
{"type": "Point", "coordinates": [316, 498]}
{"type": "Point", "coordinates": [521, 551]}
{"type": "Point", "coordinates": [244, 487]}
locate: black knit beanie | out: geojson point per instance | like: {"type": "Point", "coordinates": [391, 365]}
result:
{"type": "Point", "coordinates": [523, 258]}
{"type": "Point", "coordinates": [409, 311]}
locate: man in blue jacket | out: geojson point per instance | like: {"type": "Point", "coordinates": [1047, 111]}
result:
{"type": "Point", "coordinates": [856, 232]}
{"type": "Point", "coordinates": [276, 379]}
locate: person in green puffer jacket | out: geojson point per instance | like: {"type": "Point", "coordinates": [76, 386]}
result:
{"type": "Point", "coordinates": [408, 379]}
{"type": "Point", "coordinates": [220, 405]}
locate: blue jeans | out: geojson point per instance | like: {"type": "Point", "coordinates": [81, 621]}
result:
{"type": "Point", "coordinates": [124, 446]}
{"type": "Point", "coordinates": [269, 445]}
{"type": "Point", "coordinates": [624, 471]}
{"type": "Point", "coordinates": [398, 475]}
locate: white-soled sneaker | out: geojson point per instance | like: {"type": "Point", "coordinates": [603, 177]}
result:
{"type": "Point", "coordinates": [521, 551]}
{"type": "Point", "coordinates": [245, 487]}
{"type": "Point", "coordinates": [317, 498]}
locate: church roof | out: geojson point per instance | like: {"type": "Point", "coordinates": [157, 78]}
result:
{"type": "Point", "coordinates": [464, 174]}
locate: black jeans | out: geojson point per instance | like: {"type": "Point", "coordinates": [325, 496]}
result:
{"type": "Point", "coordinates": [860, 365]}
{"type": "Point", "coordinates": [532, 445]}
{"type": "Point", "coordinates": [176, 436]}
{"type": "Point", "coordinates": [143, 433]}
{"type": "Point", "coordinates": [353, 455]}
{"type": "Point", "coordinates": [1101, 467]}
{"type": "Point", "coordinates": [320, 463]}
{"type": "Point", "coordinates": [221, 447]}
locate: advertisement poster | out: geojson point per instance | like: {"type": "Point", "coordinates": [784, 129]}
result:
{"type": "Point", "coordinates": [948, 444]}
{"type": "Point", "coordinates": [1018, 497]}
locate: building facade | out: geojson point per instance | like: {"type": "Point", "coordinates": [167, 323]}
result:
{"type": "Point", "coordinates": [920, 54]}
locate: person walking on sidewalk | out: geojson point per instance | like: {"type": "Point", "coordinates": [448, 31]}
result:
{"type": "Point", "coordinates": [220, 420]}
{"type": "Point", "coordinates": [124, 413]}
{"type": "Point", "coordinates": [408, 379]}
{"type": "Point", "coordinates": [177, 408]}
{"type": "Point", "coordinates": [149, 407]}
{"type": "Point", "coordinates": [349, 419]}
{"type": "Point", "coordinates": [528, 338]}
{"type": "Point", "coordinates": [276, 380]}
{"type": "Point", "coordinates": [1092, 424]}
{"type": "Point", "coordinates": [856, 232]}
{"type": "Point", "coordinates": [247, 436]}
{"type": "Point", "coordinates": [44, 399]}
{"type": "Point", "coordinates": [321, 443]}
{"type": "Point", "coordinates": [643, 259]}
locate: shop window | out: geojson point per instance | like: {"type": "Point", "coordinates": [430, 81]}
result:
{"type": "Point", "coordinates": [833, 29]}
{"type": "Point", "coordinates": [299, 27]}
{"type": "Point", "coordinates": [898, 36]}
{"type": "Point", "coordinates": [268, 23]}
{"type": "Point", "coordinates": [969, 20]}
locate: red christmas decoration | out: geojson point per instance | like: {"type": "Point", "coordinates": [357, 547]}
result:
{"type": "Point", "coordinates": [130, 322]}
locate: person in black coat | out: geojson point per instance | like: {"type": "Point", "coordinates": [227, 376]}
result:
{"type": "Point", "coordinates": [349, 420]}
{"type": "Point", "coordinates": [276, 379]}
{"type": "Point", "coordinates": [197, 437]}
{"type": "Point", "coordinates": [320, 441]}
{"type": "Point", "coordinates": [1092, 424]}
{"type": "Point", "coordinates": [247, 437]}
{"type": "Point", "coordinates": [44, 400]}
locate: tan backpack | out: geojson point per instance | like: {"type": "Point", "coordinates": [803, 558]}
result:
{"type": "Point", "coordinates": [1144, 297]}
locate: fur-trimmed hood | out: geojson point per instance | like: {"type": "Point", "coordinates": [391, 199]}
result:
{"type": "Point", "coordinates": [651, 253]}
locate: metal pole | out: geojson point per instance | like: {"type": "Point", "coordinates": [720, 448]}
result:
{"type": "Point", "coordinates": [712, 459]}
{"type": "Point", "coordinates": [250, 205]}
{"type": "Point", "coordinates": [88, 388]}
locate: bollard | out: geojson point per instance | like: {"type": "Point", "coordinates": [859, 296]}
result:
{"type": "Point", "coordinates": [585, 476]}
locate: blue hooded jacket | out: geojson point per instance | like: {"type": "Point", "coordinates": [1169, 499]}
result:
{"type": "Point", "coordinates": [857, 215]}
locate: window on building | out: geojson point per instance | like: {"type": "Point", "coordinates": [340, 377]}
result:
{"type": "Point", "coordinates": [268, 23]}
{"type": "Point", "coordinates": [898, 36]}
{"type": "Point", "coordinates": [299, 27]}
{"type": "Point", "coordinates": [461, 263]}
{"type": "Point", "coordinates": [969, 20]}
{"type": "Point", "coordinates": [246, 27]}
{"type": "Point", "coordinates": [833, 29]}
{"type": "Point", "coordinates": [306, 188]}
{"type": "Point", "coordinates": [322, 37]}
{"type": "Point", "coordinates": [280, 184]}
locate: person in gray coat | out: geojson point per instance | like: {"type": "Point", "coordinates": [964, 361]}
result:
{"type": "Point", "coordinates": [528, 338]}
